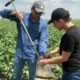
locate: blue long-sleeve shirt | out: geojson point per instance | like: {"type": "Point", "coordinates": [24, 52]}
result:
{"type": "Point", "coordinates": [38, 31]}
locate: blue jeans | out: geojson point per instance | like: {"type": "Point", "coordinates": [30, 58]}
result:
{"type": "Point", "coordinates": [18, 67]}
{"type": "Point", "coordinates": [71, 75]}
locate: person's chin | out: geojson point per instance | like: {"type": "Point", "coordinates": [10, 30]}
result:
{"type": "Point", "coordinates": [36, 18]}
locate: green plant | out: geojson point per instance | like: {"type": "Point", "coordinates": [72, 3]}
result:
{"type": "Point", "coordinates": [8, 34]}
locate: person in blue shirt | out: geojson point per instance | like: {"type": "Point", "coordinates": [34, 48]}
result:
{"type": "Point", "coordinates": [38, 30]}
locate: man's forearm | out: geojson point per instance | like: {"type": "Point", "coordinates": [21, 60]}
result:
{"type": "Point", "coordinates": [56, 60]}
{"type": "Point", "coordinates": [18, 14]}
{"type": "Point", "coordinates": [54, 51]}
{"type": "Point", "coordinates": [12, 14]}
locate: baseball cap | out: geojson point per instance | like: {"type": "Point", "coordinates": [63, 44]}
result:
{"type": "Point", "coordinates": [58, 14]}
{"type": "Point", "coordinates": [39, 6]}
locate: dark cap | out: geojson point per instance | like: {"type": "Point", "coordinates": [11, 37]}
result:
{"type": "Point", "coordinates": [39, 6]}
{"type": "Point", "coordinates": [59, 13]}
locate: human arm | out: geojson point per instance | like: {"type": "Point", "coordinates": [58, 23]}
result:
{"type": "Point", "coordinates": [47, 55]}
{"type": "Point", "coordinates": [9, 14]}
{"type": "Point", "coordinates": [43, 39]}
{"type": "Point", "coordinates": [19, 14]}
{"type": "Point", "coordinates": [67, 49]}
{"type": "Point", "coordinates": [56, 60]}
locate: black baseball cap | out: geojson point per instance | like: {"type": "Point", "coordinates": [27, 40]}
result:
{"type": "Point", "coordinates": [59, 13]}
{"type": "Point", "coordinates": [39, 6]}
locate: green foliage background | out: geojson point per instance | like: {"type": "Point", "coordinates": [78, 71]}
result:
{"type": "Point", "coordinates": [8, 34]}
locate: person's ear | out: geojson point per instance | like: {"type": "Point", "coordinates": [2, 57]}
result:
{"type": "Point", "coordinates": [31, 9]}
{"type": "Point", "coordinates": [61, 20]}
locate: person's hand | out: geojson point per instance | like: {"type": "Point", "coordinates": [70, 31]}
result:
{"type": "Point", "coordinates": [47, 55]}
{"type": "Point", "coordinates": [40, 58]}
{"type": "Point", "coordinates": [19, 15]}
{"type": "Point", "coordinates": [42, 62]}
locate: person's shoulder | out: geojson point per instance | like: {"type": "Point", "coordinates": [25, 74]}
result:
{"type": "Point", "coordinates": [72, 29]}
{"type": "Point", "coordinates": [26, 13]}
{"type": "Point", "coordinates": [42, 21]}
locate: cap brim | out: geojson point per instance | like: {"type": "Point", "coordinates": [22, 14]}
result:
{"type": "Point", "coordinates": [39, 10]}
{"type": "Point", "coordinates": [50, 21]}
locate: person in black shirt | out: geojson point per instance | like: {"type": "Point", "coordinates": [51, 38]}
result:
{"type": "Point", "coordinates": [69, 48]}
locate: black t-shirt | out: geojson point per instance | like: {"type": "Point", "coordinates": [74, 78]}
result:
{"type": "Point", "coordinates": [70, 42]}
